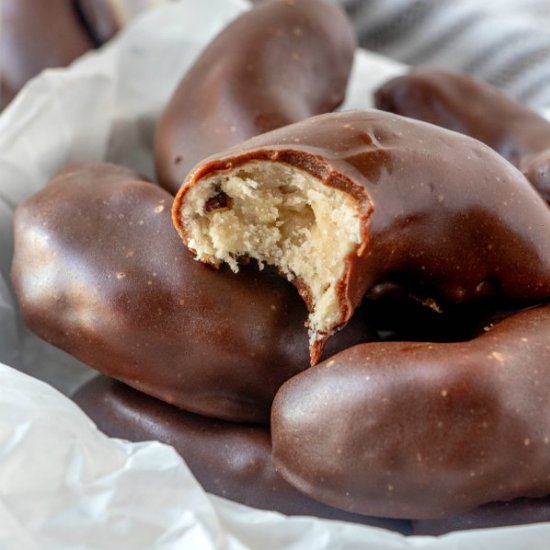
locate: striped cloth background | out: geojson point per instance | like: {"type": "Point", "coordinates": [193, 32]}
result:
{"type": "Point", "coordinates": [504, 42]}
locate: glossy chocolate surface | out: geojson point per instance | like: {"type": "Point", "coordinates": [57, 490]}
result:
{"type": "Point", "coordinates": [463, 104]}
{"type": "Point", "coordinates": [422, 430]}
{"type": "Point", "coordinates": [444, 216]}
{"type": "Point", "coordinates": [471, 107]}
{"type": "Point", "coordinates": [38, 34]}
{"type": "Point", "coordinates": [278, 63]}
{"type": "Point", "coordinates": [522, 511]}
{"type": "Point", "coordinates": [536, 168]}
{"type": "Point", "coordinates": [230, 460]}
{"type": "Point", "coordinates": [100, 272]}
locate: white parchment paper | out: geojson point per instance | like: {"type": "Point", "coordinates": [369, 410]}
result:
{"type": "Point", "coordinates": [62, 483]}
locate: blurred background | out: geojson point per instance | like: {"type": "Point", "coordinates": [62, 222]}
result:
{"type": "Point", "coordinates": [504, 42]}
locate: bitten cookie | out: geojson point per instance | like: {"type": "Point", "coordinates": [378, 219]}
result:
{"type": "Point", "coordinates": [100, 272]}
{"type": "Point", "coordinates": [343, 202]}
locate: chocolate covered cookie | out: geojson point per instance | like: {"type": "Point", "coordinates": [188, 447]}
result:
{"type": "Point", "coordinates": [100, 272]}
{"type": "Point", "coordinates": [228, 459]}
{"type": "Point", "coordinates": [422, 430]}
{"type": "Point", "coordinates": [38, 34]}
{"type": "Point", "coordinates": [463, 104]}
{"type": "Point", "coordinates": [345, 202]}
{"type": "Point", "coordinates": [278, 63]}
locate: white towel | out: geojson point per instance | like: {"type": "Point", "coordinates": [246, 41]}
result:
{"type": "Point", "coordinates": [504, 42]}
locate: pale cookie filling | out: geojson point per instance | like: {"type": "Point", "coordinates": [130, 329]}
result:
{"type": "Point", "coordinates": [281, 216]}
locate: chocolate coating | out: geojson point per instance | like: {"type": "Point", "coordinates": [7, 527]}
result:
{"type": "Point", "coordinates": [422, 430]}
{"type": "Point", "coordinates": [536, 168]}
{"type": "Point", "coordinates": [230, 460]}
{"type": "Point", "coordinates": [471, 107]}
{"type": "Point", "coordinates": [443, 216]}
{"type": "Point", "coordinates": [100, 272]}
{"type": "Point", "coordinates": [37, 34]}
{"type": "Point", "coordinates": [281, 62]}
{"type": "Point", "coordinates": [521, 511]}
